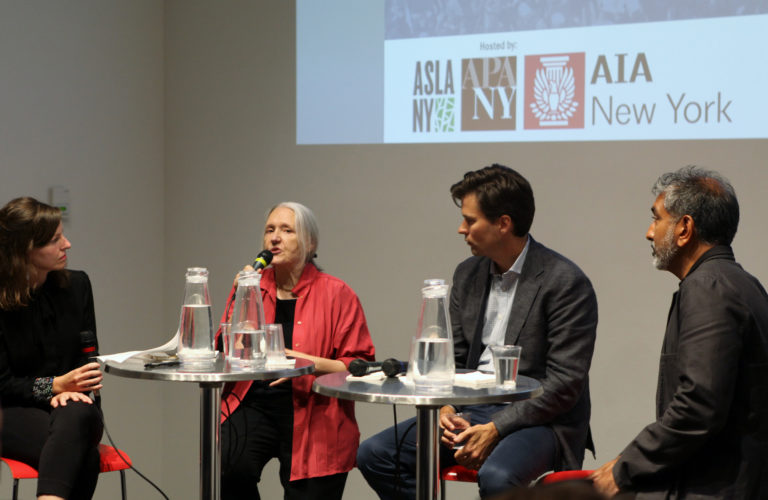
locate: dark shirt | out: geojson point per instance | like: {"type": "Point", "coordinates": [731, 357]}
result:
{"type": "Point", "coordinates": [43, 338]}
{"type": "Point", "coordinates": [710, 439]}
{"type": "Point", "coordinates": [284, 313]}
{"type": "Point", "coordinates": [281, 394]}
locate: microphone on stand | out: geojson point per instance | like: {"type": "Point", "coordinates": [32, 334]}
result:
{"type": "Point", "coordinates": [392, 367]}
{"type": "Point", "coordinates": [90, 352]}
{"type": "Point", "coordinates": [360, 367]}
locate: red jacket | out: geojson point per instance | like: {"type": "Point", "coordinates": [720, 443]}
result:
{"type": "Point", "coordinates": [328, 322]}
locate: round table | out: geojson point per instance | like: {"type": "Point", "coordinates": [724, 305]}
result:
{"type": "Point", "coordinates": [394, 391]}
{"type": "Point", "coordinates": [211, 378]}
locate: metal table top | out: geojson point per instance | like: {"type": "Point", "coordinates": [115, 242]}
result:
{"type": "Point", "coordinates": [218, 371]}
{"type": "Point", "coordinates": [394, 391]}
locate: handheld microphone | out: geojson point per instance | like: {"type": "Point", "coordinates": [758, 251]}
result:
{"type": "Point", "coordinates": [90, 353]}
{"type": "Point", "coordinates": [262, 260]}
{"type": "Point", "coordinates": [88, 346]}
{"type": "Point", "coordinates": [360, 367]}
{"type": "Point", "coordinates": [392, 367]}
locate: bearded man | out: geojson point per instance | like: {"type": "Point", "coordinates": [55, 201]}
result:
{"type": "Point", "coordinates": [710, 438]}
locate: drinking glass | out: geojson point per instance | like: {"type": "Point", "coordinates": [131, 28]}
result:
{"type": "Point", "coordinates": [461, 421]}
{"type": "Point", "coordinates": [248, 349]}
{"type": "Point", "coordinates": [505, 361]}
{"type": "Point", "coordinates": [224, 329]}
{"type": "Point", "coordinates": [275, 342]}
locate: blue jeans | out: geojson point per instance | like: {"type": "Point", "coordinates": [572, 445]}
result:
{"type": "Point", "coordinates": [517, 459]}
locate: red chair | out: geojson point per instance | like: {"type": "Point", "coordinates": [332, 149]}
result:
{"type": "Point", "coordinates": [563, 475]}
{"type": "Point", "coordinates": [456, 473]}
{"type": "Point", "coordinates": [459, 473]}
{"type": "Point", "coordinates": [110, 461]}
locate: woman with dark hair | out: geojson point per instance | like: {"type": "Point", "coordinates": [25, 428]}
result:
{"type": "Point", "coordinates": [49, 421]}
{"type": "Point", "coordinates": [314, 437]}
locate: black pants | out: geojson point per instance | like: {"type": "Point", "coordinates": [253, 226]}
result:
{"type": "Point", "coordinates": [254, 434]}
{"type": "Point", "coordinates": [61, 443]}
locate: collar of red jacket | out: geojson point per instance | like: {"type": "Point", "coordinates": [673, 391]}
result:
{"type": "Point", "coordinates": [308, 275]}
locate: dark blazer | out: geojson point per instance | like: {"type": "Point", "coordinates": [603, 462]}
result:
{"type": "Point", "coordinates": [710, 439]}
{"type": "Point", "coordinates": [43, 338]}
{"type": "Point", "coordinates": [554, 319]}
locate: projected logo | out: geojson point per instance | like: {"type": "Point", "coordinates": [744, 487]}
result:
{"type": "Point", "coordinates": [554, 91]}
{"type": "Point", "coordinates": [488, 93]}
{"type": "Point", "coordinates": [433, 101]}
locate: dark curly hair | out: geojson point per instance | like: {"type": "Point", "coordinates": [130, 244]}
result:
{"type": "Point", "coordinates": [500, 191]}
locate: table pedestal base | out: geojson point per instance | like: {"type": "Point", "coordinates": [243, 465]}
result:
{"type": "Point", "coordinates": [210, 442]}
{"type": "Point", "coordinates": [211, 379]}
{"type": "Point", "coordinates": [427, 452]}
{"type": "Point", "coordinates": [393, 391]}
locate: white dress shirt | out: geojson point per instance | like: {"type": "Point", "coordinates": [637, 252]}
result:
{"type": "Point", "coordinates": [500, 300]}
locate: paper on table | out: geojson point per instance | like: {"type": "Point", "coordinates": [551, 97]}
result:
{"type": "Point", "coordinates": [372, 378]}
{"type": "Point", "coordinates": [168, 348]}
{"type": "Point", "coordinates": [281, 363]}
{"type": "Point", "coordinates": [475, 380]}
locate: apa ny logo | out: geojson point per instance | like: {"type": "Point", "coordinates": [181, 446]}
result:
{"type": "Point", "coordinates": [489, 93]}
{"type": "Point", "coordinates": [433, 101]}
{"type": "Point", "coordinates": [554, 91]}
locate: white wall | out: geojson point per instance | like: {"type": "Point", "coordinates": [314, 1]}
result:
{"type": "Point", "coordinates": [81, 105]}
{"type": "Point", "coordinates": [172, 123]}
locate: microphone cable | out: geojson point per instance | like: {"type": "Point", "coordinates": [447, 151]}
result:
{"type": "Point", "coordinates": [262, 260]}
{"type": "Point", "coordinates": [234, 434]}
{"type": "Point", "coordinates": [129, 464]}
{"type": "Point", "coordinates": [89, 349]}
{"type": "Point", "coordinates": [398, 447]}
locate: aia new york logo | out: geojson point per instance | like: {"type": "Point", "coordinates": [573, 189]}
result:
{"type": "Point", "coordinates": [554, 91]}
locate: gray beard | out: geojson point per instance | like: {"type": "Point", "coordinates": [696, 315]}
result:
{"type": "Point", "coordinates": [663, 256]}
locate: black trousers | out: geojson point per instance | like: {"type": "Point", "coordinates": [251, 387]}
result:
{"type": "Point", "coordinates": [61, 443]}
{"type": "Point", "coordinates": [259, 430]}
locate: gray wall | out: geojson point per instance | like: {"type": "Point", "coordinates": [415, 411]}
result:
{"type": "Point", "coordinates": [81, 106]}
{"type": "Point", "coordinates": [172, 123]}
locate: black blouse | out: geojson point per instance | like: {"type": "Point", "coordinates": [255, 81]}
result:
{"type": "Point", "coordinates": [280, 395]}
{"type": "Point", "coordinates": [42, 339]}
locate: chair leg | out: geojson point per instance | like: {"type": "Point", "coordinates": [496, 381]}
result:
{"type": "Point", "coordinates": [442, 489]}
{"type": "Point", "coordinates": [15, 489]}
{"type": "Point", "coordinates": [122, 485]}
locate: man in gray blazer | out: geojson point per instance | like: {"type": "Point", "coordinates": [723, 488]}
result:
{"type": "Point", "coordinates": [710, 437]}
{"type": "Point", "coordinates": [512, 291]}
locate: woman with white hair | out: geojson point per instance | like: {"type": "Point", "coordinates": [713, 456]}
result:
{"type": "Point", "coordinates": [314, 437]}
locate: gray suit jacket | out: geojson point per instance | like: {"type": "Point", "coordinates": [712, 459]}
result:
{"type": "Point", "coordinates": [554, 319]}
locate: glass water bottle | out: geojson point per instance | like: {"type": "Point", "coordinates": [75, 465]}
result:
{"type": "Point", "coordinates": [196, 322]}
{"type": "Point", "coordinates": [431, 366]}
{"type": "Point", "coordinates": [247, 347]}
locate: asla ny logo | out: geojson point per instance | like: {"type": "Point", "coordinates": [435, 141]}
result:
{"type": "Point", "coordinates": [488, 93]}
{"type": "Point", "coordinates": [433, 100]}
